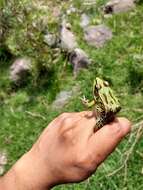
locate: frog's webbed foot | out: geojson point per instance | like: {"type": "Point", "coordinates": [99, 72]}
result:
{"type": "Point", "coordinates": [87, 103]}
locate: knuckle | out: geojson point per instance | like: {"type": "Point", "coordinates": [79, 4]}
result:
{"type": "Point", "coordinates": [63, 115]}
{"type": "Point", "coordinates": [67, 121]}
{"type": "Point", "coordinates": [86, 163]}
{"type": "Point", "coordinates": [82, 175]}
{"type": "Point", "coordinates": [67, 136]}
{"type": "Point", "coordinates": [99, 158]}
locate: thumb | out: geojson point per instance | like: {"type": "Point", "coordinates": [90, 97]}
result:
{"type": "Point", "coordinates": [105, 140]}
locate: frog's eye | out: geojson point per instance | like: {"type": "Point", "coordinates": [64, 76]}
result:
{"type": "Point", "coordinates": [106, 83]}
{"type": "Point", "coordinates": [98, 86]}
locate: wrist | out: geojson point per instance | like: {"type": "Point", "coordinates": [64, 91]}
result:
{"type": "Point", "coordinates": [27, 174]}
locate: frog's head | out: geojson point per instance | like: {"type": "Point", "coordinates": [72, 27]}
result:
{"type": "Point", "coordinates": [100, 84]}
{"type": "Point", "coordinates": [105, 95]}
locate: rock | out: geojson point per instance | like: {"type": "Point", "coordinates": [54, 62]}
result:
{"type": "Point", "coordinates": [3, 161]}
{"type": "Point", "coordinates": [97, 35]}
{"type": "Point", "coordinates": [79, 59]}
{"type": "Point", "coordinates": [1, 35]}
{"type": "Point", "coordinates": [19, 70]}
{"type": "Point", "coordinates": [64, 96]}
{"type": "Point", "coordinates": [142, 171]}
{"type": "Point", "coordinates": [117, 6]}
{"type": "Point", "coordinates": [71, 10]}
{"type": "Point", "coordinates": [85, 20]}
{"type": "Point", "coordinates": [62, 99]}
{"type": "Point", "coordinates": [3, 158]}
{"type": "Point", "coordinates": [56, 12]}
{"type": "Point", "coordinates": [50, 40]}
{"type": "Point", "coordinates": [67, 38]}
{"type": "Point", "coordinates": [89, 2]}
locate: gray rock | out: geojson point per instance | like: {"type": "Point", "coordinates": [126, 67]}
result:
{"type": "Point", "coordinates": [3, 158]}
{"type": "Point", "coordinates": [3, 161]}
{"type": "Point", "coordinates": [117, 6]}
{"type": "Point", "coordinates": [85, 20]}
{"type": "Point", "coordinates": [1, 35]}
{"type": "Point", "coordinates": [97, 35]}
{"type": "Point", "coordinates": [56, 12]}
{"type": "Point", "coordinates": [79, 59]}
{"type": "Point", "coordinates": [20, 70]}
{"type": "Point", "coordinates": [67, 38]}
{"type": "Point", "coordinates": [71, 10]}
{"type": "Point", "coordinates": [50, 39]}
{"type": "Point", "coordinates": [62, 99]}
{"type": "Point", "coordinates": [89, 2]}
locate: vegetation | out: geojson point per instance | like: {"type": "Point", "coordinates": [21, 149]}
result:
{"type": "Point", "coordinates": [26, 111]}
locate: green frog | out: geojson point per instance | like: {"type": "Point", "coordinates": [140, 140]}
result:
{"type": "Point", "coordinates": [105, 102]}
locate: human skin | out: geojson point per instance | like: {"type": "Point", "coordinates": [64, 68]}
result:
{"type": "Point", "coordinates": [69, 150]}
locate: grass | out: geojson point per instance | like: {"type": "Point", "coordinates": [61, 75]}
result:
{"type": "Point", "coordinates": [119, 62]}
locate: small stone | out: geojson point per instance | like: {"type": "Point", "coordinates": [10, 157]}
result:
{"type": "Point", "coordinates": [56, 12]}
{"type": "Point", "coordinates": [142, 171]}
{"type": "Point", "coordinates": [3, 158]}
{"type": "Point", "coordinates": [85, 20]}
{"type": "Point", "coordinates": [138, 57]}
{"type": "Point", "coordinates": [1, 35]}
{"type": "Point", "coordinates": [1, 170]}
{"type": "Point", "coordinates": [79, 59]}
{"type": "Point", "coordinates": [61, 99]}
{"type": "Point", "coordinates": [20, 70]}
{"type": "Point", "coordinates": [50, 40]}
{"type": "Point", "coordinates": [71, 10]}
{"type": "Point", "coordinates": [97, 35]}
{"type": "Point", "coordinates": [3, 161]}
{"type": "Point", "coordinates": [89, 2]}
{"type": "Point", "coordinates": [117, 6]}
{"type": "Point", "coordinates": [68, 39]}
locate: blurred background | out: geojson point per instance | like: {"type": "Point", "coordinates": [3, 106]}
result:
{"type": "Point", "coordinates": [50, 53]}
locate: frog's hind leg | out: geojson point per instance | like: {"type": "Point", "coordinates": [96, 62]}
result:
{"type": "Point", "coordinates": [99, 123]}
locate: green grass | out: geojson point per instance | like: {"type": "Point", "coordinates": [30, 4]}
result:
{"type": "Point", "coordinates": [116, 62]}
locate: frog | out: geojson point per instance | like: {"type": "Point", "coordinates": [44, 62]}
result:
{"type": "Point", "coordinates": [106, 104]}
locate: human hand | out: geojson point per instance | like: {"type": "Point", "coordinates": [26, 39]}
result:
{"type": "Point", "coordinates": [68, 150]}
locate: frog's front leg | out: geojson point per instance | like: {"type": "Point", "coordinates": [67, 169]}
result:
{"type": "Point", "coordinates": [90, 104]}
{"type": "Point", "coordinates": [87, 103]}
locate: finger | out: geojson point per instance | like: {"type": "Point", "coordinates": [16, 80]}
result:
{"type": "Point", "coordinates": [86, 125]}
{"type": "Point", "coordinates": [105, 140]}
{"type": "Point", "coordinates": [68, 117]}
{"type": "Point", "coordinates": [82, 122]}
{"type": "Point", "coordinates": [78, 122]}
{"type": "Point", "coordinates": [64, 120]}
